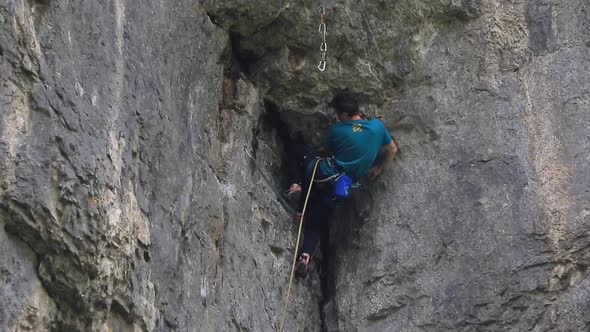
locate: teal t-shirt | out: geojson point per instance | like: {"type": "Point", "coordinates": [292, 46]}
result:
{"type": "Point", "coordinates": [355, 144]}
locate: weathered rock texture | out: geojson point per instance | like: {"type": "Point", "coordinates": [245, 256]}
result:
{"type": "Point", "coordinates": [128, 179]}
{"type": "Point", "coordinates": [484, 222]}
{"type": "Point", "coordinates": [137, 168]}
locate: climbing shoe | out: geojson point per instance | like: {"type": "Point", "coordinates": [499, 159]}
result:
{"type": "Point", "coordinates": [301, 267]}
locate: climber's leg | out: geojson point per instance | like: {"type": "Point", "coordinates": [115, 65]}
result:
{"type": "Point", "coordinates": [316, 226]}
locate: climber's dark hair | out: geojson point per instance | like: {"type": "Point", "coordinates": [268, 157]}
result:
{"type": "Point", "coordinates": [344, 102]}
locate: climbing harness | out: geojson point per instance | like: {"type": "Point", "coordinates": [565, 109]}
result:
{"type": "Point", "coordinates": [283, 202]}
{"type": "Point", "coordinates": [324, 46]}
{"type": "Point", "coordinates": [315, 166]}
{"type": "Point", "coordinates": [329, 178]}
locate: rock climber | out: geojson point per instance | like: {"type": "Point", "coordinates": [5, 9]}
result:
{"type": "Point", "coordinates": [351, 151]}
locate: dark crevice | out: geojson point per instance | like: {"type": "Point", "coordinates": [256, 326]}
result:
{"type": "Point", "coordinates": [41, 2]}
{"type": "Point", "coordinates": [264, 136]}
{"type": "Point", "coordinates": [39, 7]}
{"type": "Point", "coordinates": [327, 303]}
{"type": "Point", "coordinates": [121, 310]}
{"type": "Point", "coordinates": [263, 130]}
{"type": "Point", "coordinates": [302, 127]}
{"type": "Point", "coordinates": [281, 123]}
{"type": "Point", "coordinates": [213, 20]}
{"type": "Point", "coordinates": [232, 73]}
{"type": "Point", "coordinates": [243, 57]}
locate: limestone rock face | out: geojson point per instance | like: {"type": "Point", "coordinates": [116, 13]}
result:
{"type": "Point", "coordinates": [139, 173]}
{"type": "Point", "coordinates": [482, 223]}
{"type": "Point", "coordinates": [129, 181]}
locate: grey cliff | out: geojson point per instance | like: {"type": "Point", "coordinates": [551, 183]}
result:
{"type": "Point", "coordinates": [139, 171]}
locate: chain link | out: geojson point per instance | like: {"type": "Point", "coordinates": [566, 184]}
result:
{"type": "Point", "coordinates": [322, 29]}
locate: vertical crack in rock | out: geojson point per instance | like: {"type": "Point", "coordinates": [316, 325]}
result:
{"type": "Point", "coordinates": [296, 122]}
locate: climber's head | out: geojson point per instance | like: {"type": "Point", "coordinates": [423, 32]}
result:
{"type": "Point", "coordinates": [345, 106]}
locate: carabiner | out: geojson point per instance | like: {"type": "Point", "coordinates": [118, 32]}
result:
{"type": "Point", "coordinates": [324, 47]}
{"type": "Point", "coordinates": [322, 28]}
{"type": "Point", "coordinates": [322, 65]}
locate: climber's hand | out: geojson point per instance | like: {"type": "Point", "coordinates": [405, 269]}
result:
{"type": "Point", "coordinates": [375, 171]}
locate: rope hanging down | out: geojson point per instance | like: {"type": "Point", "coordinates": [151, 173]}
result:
{"type": "Point", "coordinates": [315, 166]}
{"type": "Point", "coordinates": [324, 46]}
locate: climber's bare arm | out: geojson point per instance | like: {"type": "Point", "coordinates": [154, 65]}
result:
{"type": "Point", "coordinates": [386, 154]}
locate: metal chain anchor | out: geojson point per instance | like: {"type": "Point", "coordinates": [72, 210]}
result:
{"type": "Point", "coordinates": [324, 46]}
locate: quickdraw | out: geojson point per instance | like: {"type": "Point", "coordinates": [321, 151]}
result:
{"type": "Point", "coordinates": [324, 46]}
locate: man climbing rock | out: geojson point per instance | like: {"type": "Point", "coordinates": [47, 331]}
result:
{"type": "Point", "coordinates": [350, 152]}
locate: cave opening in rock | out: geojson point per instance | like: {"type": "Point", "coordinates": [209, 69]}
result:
{"type": "Point", "coordinates": [310, 128]}
{"type": "Point", "coordinates": [245, 58]}
{"type": "Point", "coordinates": [346, 219]}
